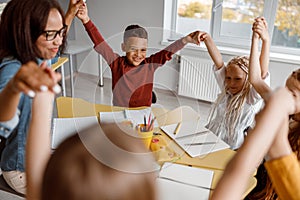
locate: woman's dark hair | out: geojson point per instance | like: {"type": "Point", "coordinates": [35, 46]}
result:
{"type": "Point", "coordinates": [22, 22]}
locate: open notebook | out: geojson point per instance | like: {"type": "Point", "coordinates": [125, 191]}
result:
{"type": "Point", "coordinates": [177, 181]}
{"type": "Point", "coordinates": [135, 116]}
{"type": "Point", "coordinates": [63, 128]}
{"type": "Point", "coordinates": [194, 138]}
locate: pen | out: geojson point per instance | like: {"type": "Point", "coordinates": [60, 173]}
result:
{"type": "Point", "coordinates": [200, 143]}
{"type": "Point", "coordinates": [125, 115]}
{"type": "Point", "coordinates": [193, 135]}
{"type": "Point", "coordinates": [149, 120]}
{"type": "Point", "coordinates": [177, 128]}
{"type": "Point", "coordinates": [151, 124]}
{"type": "Point", "coordinates": [145, 123]}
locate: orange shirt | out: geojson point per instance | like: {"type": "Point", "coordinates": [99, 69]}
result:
{"type": "Point", "coordinates": [285, 176]}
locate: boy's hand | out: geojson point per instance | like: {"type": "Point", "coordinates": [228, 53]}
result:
{"type": "Point", "coordinates": [82, 13]}
{"type": "Point", "coordinates": [260, 27]}
{"type": "Point", "coordinates": [74, 6]}
{"type": "Point", "coordinates": [192, 38]}
{"type": "Point", "coordinates": [196, 37]}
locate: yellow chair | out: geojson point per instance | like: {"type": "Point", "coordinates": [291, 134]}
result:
{"type": "Point", "coordinates": [68, 107]}
{"type": "Point", "coordinates": [60, 64]}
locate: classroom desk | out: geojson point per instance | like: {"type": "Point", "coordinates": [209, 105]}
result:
{"type": "Point", "coordinates": [74, 107]}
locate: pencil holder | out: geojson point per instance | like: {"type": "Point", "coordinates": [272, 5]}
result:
{"type": "Point", "coordinates": [145, 134]}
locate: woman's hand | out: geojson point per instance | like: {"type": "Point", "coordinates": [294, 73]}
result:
{"type": "Point", "coordinates": [31, 79]}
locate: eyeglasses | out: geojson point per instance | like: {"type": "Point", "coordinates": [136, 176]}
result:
{"type": "Point", "coordinates": [51, 35]}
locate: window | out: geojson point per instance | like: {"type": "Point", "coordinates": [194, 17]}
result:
{"type": "Point", "coordinates": [229, 22]}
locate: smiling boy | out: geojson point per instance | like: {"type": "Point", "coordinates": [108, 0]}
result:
{"type": "Point", "coordinates": [133, 74]}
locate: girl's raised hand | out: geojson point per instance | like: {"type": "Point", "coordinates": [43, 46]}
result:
{"type": "Point", "coordinates": [260, 27]}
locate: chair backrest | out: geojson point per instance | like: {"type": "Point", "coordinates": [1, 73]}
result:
{"type": "Point", "coordinates": [154, 98]}
{"type": "Point", "coordinates": [59, 63]}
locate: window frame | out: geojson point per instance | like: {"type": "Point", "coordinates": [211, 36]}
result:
{"type": "Point", "coordinates": [270, 11]}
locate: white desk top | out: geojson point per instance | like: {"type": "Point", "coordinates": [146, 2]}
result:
{"type": "Point", "coordinates": [77, 46]}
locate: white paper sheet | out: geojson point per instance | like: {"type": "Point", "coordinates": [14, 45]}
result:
{"type": "Point", "coordinates": [63, 128]}
{"type": "Point", "coordinates": [112, 117]}
{"type": "Point", "coordinates": [195, 132]}
{"type": "Point", "coordinates": [177, 181]}
{"type": "Point", "coordinates": [135, 116]}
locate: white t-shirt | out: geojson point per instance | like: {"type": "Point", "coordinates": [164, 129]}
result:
{"type": "Point", "coordinates": [252, 105]}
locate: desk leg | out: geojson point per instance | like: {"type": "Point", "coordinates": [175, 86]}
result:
{"type": "Point", "coordinates": [63, 82]}
{"type": "Point", "coordinates": [100, 83]}
{"type": "Point", "coordinates": [71, 74]}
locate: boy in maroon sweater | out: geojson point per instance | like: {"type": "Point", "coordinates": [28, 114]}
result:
{"type": "Point", "coordinates": [132, 75]}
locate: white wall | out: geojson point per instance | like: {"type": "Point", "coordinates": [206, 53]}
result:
{"type": "Point", "coordinates": [112, 16]}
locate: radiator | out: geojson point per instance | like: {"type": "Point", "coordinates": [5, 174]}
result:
{"type": "Point", "coordinates": [196, 79]}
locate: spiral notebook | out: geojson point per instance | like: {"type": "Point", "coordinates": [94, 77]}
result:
{"type": "Point", "coordinates": [194, 138]}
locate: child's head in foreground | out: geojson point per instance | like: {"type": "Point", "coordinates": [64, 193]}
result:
{"type": "Point", "coordinates": [135, 43]}
{"type": "Point", "coordinates": [293, 84]}
{"type": "Point", "coordinates": [94, 164]}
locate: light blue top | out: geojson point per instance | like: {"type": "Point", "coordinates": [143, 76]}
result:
{"type": "Point", "coordinates": [15, 130]}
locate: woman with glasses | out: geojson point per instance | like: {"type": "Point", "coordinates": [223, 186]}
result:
{"type": "Point", "coordinates": [35, 33]}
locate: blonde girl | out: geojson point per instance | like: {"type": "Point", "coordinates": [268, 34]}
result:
{"type": "Point", "coordinates": [234, 110]}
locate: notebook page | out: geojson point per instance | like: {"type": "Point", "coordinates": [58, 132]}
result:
{"type": "Point", "coordinates": [112, 117]}
{"type": "Point", "coordinates": [177, 181]}
{"type": "Point", "coordinates": [192, 132]}
{"type": "Point", "coordinates": [137, 116]}
{"type": "Point", "coordinates": [63, 128]}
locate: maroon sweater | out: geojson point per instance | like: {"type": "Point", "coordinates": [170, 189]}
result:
{"type": "Point", "coordinates": [131, 86]}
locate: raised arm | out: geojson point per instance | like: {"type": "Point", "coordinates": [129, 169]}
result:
{"type": "Point", "coordinates": [29, 79]}
{"type": "Point", "coordinates": [212, 49]}
{"type": "Point", "coordinates": [72, 11]}
{"type": "Point", "coordinates": [259, 65]}
{"type": "Point", "coordinates": [262, 30]}
{"type": "Point", "coordinates": [82, 14]}
{"type": "Point", "coordinates": [38, 148]}
{"type": "Point", "coordinates": [270, 123]}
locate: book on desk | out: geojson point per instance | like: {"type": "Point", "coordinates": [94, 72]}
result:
{"type": "Point", "coordinates": [194, 138]}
